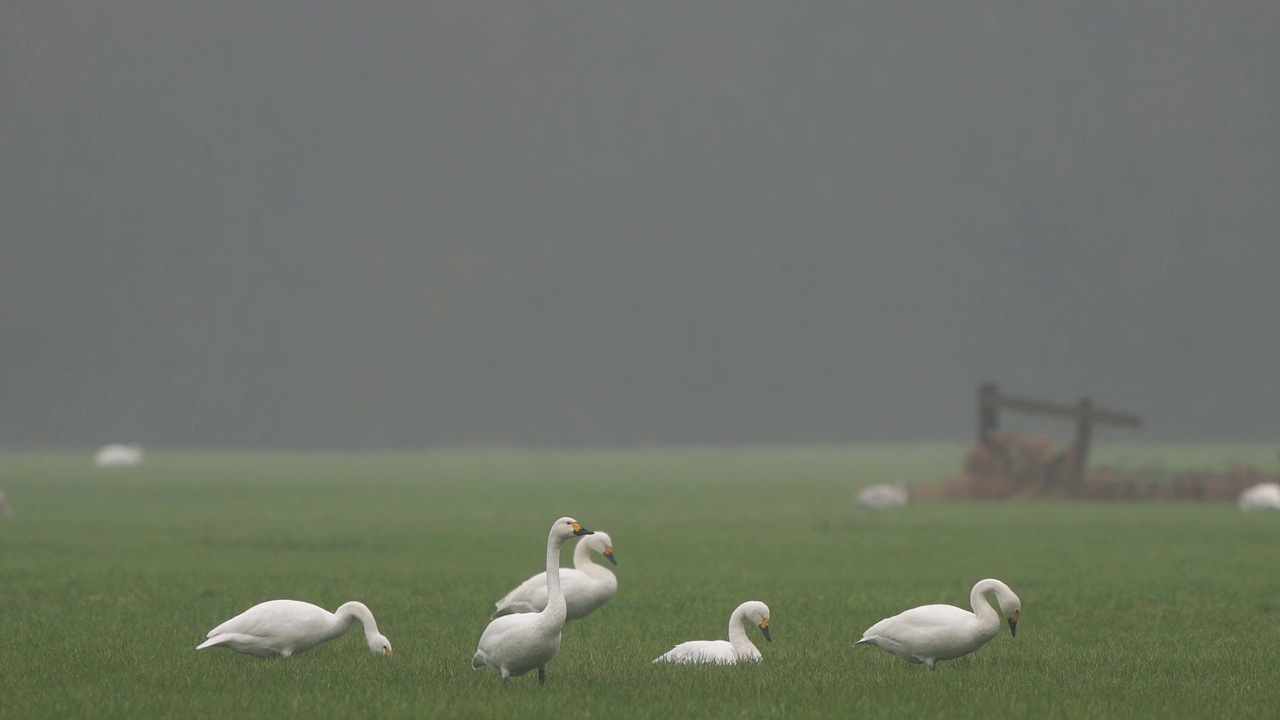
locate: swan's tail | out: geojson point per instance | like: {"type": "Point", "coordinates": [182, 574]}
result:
{"type": "Point", "coordinates": [215, 640]}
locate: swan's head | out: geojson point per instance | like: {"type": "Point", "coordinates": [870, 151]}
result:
{"type": "Point", "coordinates": [603, 544]}
{"type": "Point", "coordinates": [1010, 607]}
{"type": "Point", "coordinates": [758, 613]}
{"type": "Point", "coordinates": [567, 527]}
{"type": "Point", "coordinates": [379, 644]}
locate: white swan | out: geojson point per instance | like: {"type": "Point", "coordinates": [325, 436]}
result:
{"type": "Point", "coordinates": [512, 645]}
{"type": "Point", "coordinates": [117, 455]}
{"type": "Point", "coordinates": [720, 652]}
{"type": "Point", "coordinates": [884, 497]}
{"type": "Point", "coordinates": [6, 508]}
{"type": "Point", "coordinates": [1263, 496]}
{"type": "Point", "coordinates": [586, 586]}
{"type": "Point", "coordinates": [281, 628]}
{"type": "Point", "coordinates": [933, 633]}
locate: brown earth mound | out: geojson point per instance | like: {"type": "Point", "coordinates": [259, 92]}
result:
{"type": "Point", "coordinates": [1024, 467]}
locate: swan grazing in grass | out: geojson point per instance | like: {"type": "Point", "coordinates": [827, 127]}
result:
{"type": "Point", "coordinates": [884, 497]}
{"type": "Point", "coordinates": [738, 648]}
{"type": "Point", "coordinates": [1263, 496]}
{"type": "Point", "coordinates": [515, 644]}
{"type": "Point", "coordinates": [282, 628]}
{"type": "Point", "coordinates": [933, 633]}
{"type": "Point", "coordinates": [586, 586]}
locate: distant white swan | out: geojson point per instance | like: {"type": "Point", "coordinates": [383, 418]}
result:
{"type": "Point", "coordinates": [586, 585]}
{"type": "Point", "coordinates": [1263, 496]}
{"type": "Point", "coordinates": [884, 497]}
{"type": "Point", "coordinates": [738, 648]}
{"type": "Point", "coordinates": [117, 455]}
{"type": "Point", "coordinates": [512, 645]}
{"type": "Point", "coordinates": [282, 628]}
{"type": "Point", "coordinates": [6, 508]}
{"type": "Point", "coordinates": [933, 633]}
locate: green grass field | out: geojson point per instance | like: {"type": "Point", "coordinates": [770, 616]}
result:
{"type": "Point", "coordinates": [110, 578]}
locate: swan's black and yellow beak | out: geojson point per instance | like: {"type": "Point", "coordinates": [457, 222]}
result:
{"type": "Point", "coordinates": [579, 530]}
{"type": "Point", "coordinates": [608, 552]}
{"type": "Point", "coordinates": [386, 651]}
{"type": "Point", "coordinates": [764, 628]}
{"type": "Point", "coordinates": [1013, 623]}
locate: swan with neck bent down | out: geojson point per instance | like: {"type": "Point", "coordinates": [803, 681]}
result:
{"type": "Point", "coordinates": [586, 585]}
{"type": "Point", "coordinates": [512, 645]}
{"type": "Point", "coordinates": [283, 628]}
{"type": "Point", "coordinates": [738, 648]}
{"type": "Point", "coordinates": [933, 633]}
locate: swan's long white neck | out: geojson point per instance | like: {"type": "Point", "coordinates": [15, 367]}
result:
{"type": "Point", "coordinates": [738, 633]}
{"type": "Point", "coordinates": [582, 555]}
{"type": "Point", "coordinates": [988, 618]}
{"type": "Point", "coordinates": [555, 596]}
{"type": "Point", "coordinates": [352, 611]}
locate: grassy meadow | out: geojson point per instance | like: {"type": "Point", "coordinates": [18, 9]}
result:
{"type": "Point", "coordinates": [110, 578]}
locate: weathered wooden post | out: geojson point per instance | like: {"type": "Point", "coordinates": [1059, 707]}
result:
{"type": "Point", "coordinates": [988, 412]}
{"type": "Point", "coordinates": [1084, 436]}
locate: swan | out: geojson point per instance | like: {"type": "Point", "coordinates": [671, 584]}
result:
{"type": "Point", "coordinates": [6, 508]}
{"type": "Point", "coordinates": [586, 585]}
{"type": "Point", "coordinates": [884, 497]}
{"type": "Point", "coordinates": [933, 633]}
{"type": "Point", "coordinates": [281, 628]}
{"type": "Point", "coordinates": [721, 652]}
{"type": "Point", "coordinates": [512, 645]}
{"type": "Point", "coordinates": [117, 455]}
{"type": "Point", "coordinates": [1263, 496]}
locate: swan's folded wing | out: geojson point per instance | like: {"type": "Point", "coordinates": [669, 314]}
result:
{"type": "Point", "coordinates": [529, 596]}
{"type": "Point", "coordinates": [718, 652]}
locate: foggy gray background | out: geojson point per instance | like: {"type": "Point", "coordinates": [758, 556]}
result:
{"type": "Point", "coordinates": [415, 225]}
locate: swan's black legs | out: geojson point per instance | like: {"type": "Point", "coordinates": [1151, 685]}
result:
{"type": "Point", "coordinates": [542, 675]}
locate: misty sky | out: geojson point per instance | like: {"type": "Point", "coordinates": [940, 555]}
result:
{"type": "Point", "coordinates": [573, 224]}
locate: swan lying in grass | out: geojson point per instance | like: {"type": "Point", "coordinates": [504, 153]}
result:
{"type": "Point", "coordinates": [282, 628]}
{"type": "Point", "coordinates": [117, 455]}
{"type": "Point", "coordinates": [933, 633]}
{"type": "Point", "coordinates": [586, 586]}
{"type": "Point", "coordinates": [512, 645]}
{"type": "Point", "coordinates": [738, 648]}
{"type": "Point", "coordinates": [1263, 496]}
{"type": "Point", "coordinates": [884, 497]}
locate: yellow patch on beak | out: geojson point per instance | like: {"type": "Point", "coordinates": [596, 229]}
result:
{"type": "Point", "coordinates": [764, 623]}
{"type": "Point", "coordinates": [576, 527]}
{"type": "Point", "coordinates": [608, 549]}
{"type": "Point", "coordinates": [387, 652]}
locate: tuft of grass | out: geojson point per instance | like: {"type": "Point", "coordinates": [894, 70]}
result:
{"type": "Point", "coordinates": [109, 579]}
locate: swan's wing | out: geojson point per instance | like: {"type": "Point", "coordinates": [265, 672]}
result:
{"type": "Point", "coordinates": [582, 593]}
{"type": "Point", "coordinates": [923, 633]}
{"type": "Point", "coordinates": [275, 618]}
{"type": "Point", "coordinates": [529, 596]}
{"type": "Point", "coordinates": [718, 652]}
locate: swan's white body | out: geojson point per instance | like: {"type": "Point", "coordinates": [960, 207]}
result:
{"type": "Point", "coordinates": [586, 586]}
{"type": "Point", "coordinates": [933, 633]}
{"type": "Point", "coordinates": [1263, 496]}
{"type": "Point", "coordinates": [738, 648]}
{"type": "Point", "coordinates": [884, 497]}
{"type": "Point", "coordinates": [282, 628]}
{"type": "Point", "coordinates": [512, 645]}
{"type": "Point", "coordinates": [118, 456]}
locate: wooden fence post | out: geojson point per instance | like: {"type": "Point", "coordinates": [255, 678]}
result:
{"type": "Point", "coordinates": [1084, 436]}
{"type": "Point", "coordinates": [988, 412]}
